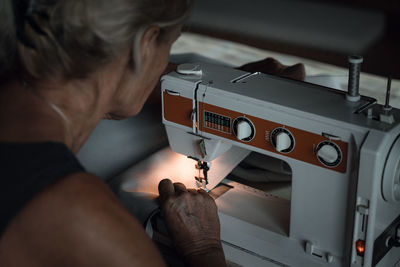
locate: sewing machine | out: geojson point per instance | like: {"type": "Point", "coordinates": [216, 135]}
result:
{"type": "Point", "coordinates": [341, 150]}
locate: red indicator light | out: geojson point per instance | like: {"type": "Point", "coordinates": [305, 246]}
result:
{"type": "Point", "coordinates": [360, 247]}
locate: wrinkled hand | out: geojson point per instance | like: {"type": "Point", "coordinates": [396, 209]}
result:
{"type": "Point", "coordinates": [274, 67]}
{"type": "Point", "coordinates": [191, 217]}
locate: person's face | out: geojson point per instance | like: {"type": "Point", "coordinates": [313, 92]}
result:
{"type": "Point", "coordinates": [135, 88]}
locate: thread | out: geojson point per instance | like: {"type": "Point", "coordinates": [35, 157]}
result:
{"type": "Point", "coordinates": [354, 77]}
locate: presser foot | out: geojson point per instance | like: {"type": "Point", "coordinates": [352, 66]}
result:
{"type": "Point", "coordinates": [202, 182]}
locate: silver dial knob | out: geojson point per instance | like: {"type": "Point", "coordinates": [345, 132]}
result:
{"type": "Point", "coordinates": [329, 153]}
{"type": "Point", "coordinates": [243, 129]}
{"type": "Point", "coordinates": [282, 140]}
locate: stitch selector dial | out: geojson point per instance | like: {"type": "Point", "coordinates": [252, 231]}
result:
{"type": "Point", "coordinates": [282, 140]}
{"type": "Point", "coordinates": [243, 129]}
{"type": "Point", "coordinates": [329, 154]}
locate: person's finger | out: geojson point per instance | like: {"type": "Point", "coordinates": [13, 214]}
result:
{"type": "Point", "coordinates": [203, 193]}
{"type": "Point", "coordinates": [179, 188]}
{"type": "Point", "coordinates": [165, 189]}
{"type": "Point", "coordinates": [192, 191]}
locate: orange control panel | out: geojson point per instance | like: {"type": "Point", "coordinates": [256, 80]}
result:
{"type": "Point", "coordinates": [260, 133]}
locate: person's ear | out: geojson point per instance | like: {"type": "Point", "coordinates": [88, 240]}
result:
{"type": "Point", "coordinates": [149, 42]}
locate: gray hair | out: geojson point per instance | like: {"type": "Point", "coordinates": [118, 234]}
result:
{"type": "Point", "coordinates": [52, 39]}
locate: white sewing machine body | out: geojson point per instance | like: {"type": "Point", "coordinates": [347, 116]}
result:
{"type": "Point", "coordinates": [345, 165]}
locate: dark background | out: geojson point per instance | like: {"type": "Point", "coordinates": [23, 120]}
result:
{"type": "Point", "coordinates": [377, 20]}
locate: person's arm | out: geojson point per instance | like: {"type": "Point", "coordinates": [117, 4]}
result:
{"type": "Point", "coordinates": [212, 257]}
{"type": "Point", "coordinates": [193, 223]}
{"type": "Point", "coordinates": [77, 222]}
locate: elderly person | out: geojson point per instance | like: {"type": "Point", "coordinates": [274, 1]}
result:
{"type": "Point", "coordinates": [65, 65]}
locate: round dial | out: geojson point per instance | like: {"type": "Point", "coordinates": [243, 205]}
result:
{"type": "Point", "coordinates": [243, 129]}
{"type": "Point", "coordinates": [329, 153]}
{"type": "Point", "coordinates": [391, 176]}
{"type": "Point", "coordinates": [282, 140]}
{"type": "Point", "coordinates": [189, 69]}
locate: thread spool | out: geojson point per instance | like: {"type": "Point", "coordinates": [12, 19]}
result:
{"type": "Point", "coordinates": [354, 78]}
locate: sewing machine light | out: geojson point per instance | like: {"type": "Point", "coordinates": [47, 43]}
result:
{"type": "Point", "coordinates": [360, 247]}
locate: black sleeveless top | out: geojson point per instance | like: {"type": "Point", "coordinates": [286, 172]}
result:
{"type": "Point", "coordinates": [28, 168]}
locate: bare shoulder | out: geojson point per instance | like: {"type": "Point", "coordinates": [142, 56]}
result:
{"type": "Point", "coordinates": [76, 222]}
